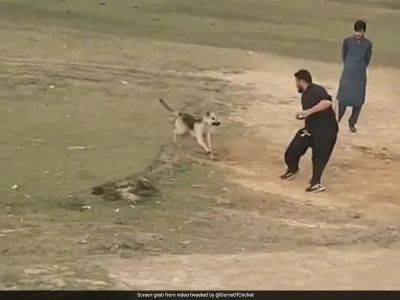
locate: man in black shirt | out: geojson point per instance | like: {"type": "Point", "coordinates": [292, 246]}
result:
{"type": "Point", "coordinates": [319, 133]}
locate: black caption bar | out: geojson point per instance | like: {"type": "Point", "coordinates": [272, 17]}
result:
{"type": "Point", "coordinates": [186, 295]}
{"type": "Point", "coordinates": [196, 295]}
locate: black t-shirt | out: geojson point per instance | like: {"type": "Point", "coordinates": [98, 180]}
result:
{"type": "Point", "coordinates": [323, 123]}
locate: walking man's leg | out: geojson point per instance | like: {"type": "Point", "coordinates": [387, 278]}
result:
{"type": "Point", "coordinates": [322, 150]}
{"type": "Point", "coordinates": [354, 118]}
{"type": "Point", "coordinates": [296, 149]}
{"type": "Point", "coordinates": [341, 110]}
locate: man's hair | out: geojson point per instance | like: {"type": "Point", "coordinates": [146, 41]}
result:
{"type": "Point", "coordinates": [303, 75]}
{"type": "Point", "coordinates": [360, 25]}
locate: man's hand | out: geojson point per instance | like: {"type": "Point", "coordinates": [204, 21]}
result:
{"type": "Point", "coordinates": [302, 115]}
{"type": "Point", "coordinates": [322, 105]}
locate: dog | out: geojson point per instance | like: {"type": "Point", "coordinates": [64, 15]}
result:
{"type": "Point", "coordinates": [200, 128]}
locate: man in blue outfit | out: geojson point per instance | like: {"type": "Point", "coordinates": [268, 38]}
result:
{"type": "Point", "coordinates": [356, 55]}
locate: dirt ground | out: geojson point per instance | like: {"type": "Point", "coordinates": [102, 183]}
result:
{"type": "Point", "coordinates": [224, 224]}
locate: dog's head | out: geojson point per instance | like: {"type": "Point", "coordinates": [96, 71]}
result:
{"type": "Point", "coordinates": [211, 118]}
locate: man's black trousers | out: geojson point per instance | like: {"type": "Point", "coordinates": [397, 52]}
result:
{"type": "Point", "coordinates": [322, 148]}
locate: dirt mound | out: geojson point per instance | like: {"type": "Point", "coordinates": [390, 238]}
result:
{"type": "Point", "coordinates": [143, 185]}
{"type": "Point", "coordinates": [130, 190]}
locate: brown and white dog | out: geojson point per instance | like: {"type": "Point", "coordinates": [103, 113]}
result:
{"type": "Point", "coordinates": [200, 128]}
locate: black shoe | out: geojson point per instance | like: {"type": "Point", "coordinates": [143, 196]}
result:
{"type": "Point", "coordinates": [353, 129]}
{"type": "Point", "coordinates": [316, 188]}
{"type": "Point", "coordinates": [289, 175]}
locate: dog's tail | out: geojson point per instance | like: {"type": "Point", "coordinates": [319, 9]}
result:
{"type": "Point", "coordinates": [167, 107]}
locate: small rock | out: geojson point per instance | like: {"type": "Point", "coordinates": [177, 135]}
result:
{"type": "Point", "coordinates": [185, 243]}
{"type": "Point", "coordinates": [87, 207]}
{"type": "Point", "coordinates": [79, 148]}
{"type": "Point", "coordinates": [116, 210]}
{"type": "Point", "coordinates": [35, 141]}
{"type": "Point", "coordinates": [15, 186]}
{"type": "Point", "coordinates": [198, 186]}
{"type": "Point", "coordinates": [84, 240]}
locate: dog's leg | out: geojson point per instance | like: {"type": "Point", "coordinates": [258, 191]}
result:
{"type": "Point", "coordinates": [208, 136]}
{"type": "Point", "coordinates": [200, 141]}
{"type": "Point", "coordinates": [209, 141]}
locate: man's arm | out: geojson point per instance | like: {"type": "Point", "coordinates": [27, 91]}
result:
{"type": "Point", "coordinates": [368, 54]}
{"type": "Point", "coordinates": [322, 105]}
{"type": "Point", "coordinates": [344, 50]}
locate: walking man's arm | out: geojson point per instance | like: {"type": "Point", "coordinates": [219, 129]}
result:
{"type": "Point", "coordinates": [368, 54]}
{"type": "Point", "coordinates": [344, 50]}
